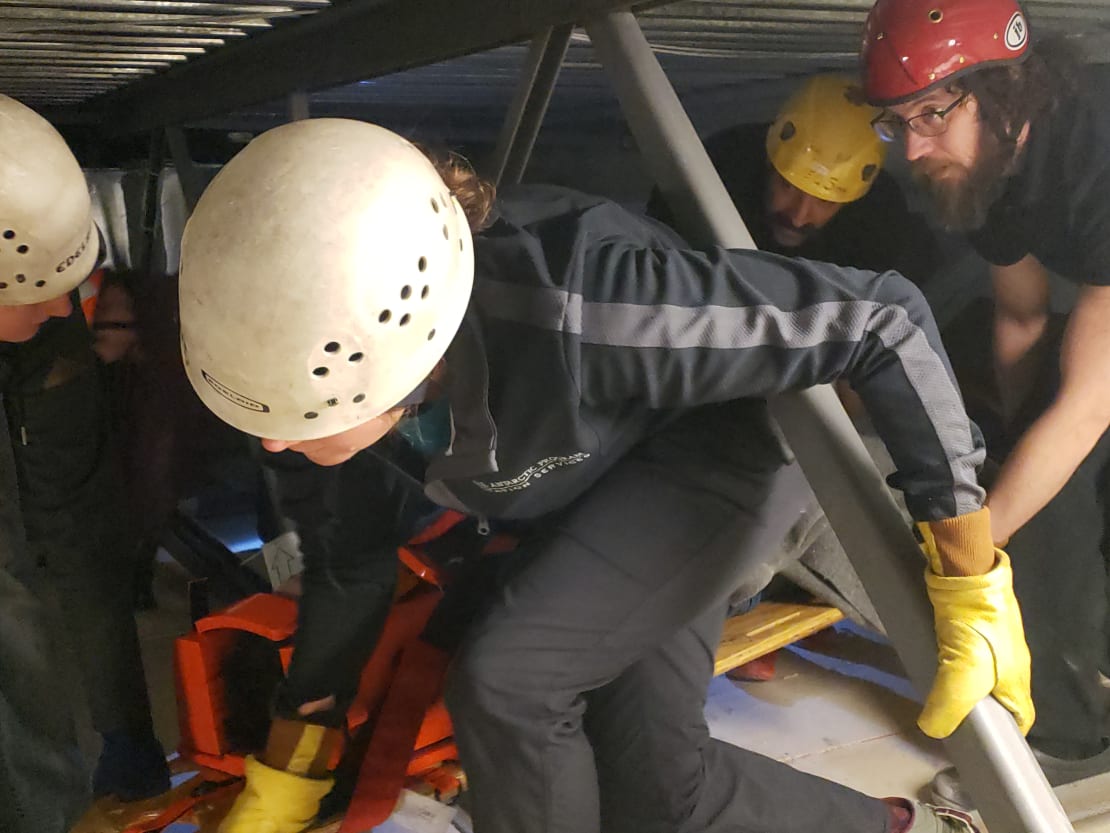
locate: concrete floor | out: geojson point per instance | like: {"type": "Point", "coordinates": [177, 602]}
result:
{"type": "Point", "coordinates": [846, 712]}
{"type": "Point", "coordinates": [842, 710]}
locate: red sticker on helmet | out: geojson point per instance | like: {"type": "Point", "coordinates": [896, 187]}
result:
{"type": "Point", "coordinates": [1017, 33]}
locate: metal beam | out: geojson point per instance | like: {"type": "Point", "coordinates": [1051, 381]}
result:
{"type": "Point", "coordinates": [97, 42]}
{"type": "Point", "coordinates": [296, 105]}
{"type": "Point", "coordinates": [143, 248]}
{"type": "Point", "coordinates": [522, 122]}
{"type": "Point", "coordinates": [994, 760]}
{"type": "Point", "coordinates": [191, 184]}
{"type": "Point", "coordinates": [47, 49]}
{"type": "Point", "coordinates": [357, 40]}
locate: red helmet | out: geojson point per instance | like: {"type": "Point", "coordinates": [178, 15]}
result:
{"type": "Point", "coordinates": [910, 46]}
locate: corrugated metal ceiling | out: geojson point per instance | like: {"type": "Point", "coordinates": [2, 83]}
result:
{"type": "Point", "coordinates": [55, 53]}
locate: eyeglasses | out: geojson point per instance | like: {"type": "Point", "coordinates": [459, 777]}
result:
{"type": "Point", "coordinates": [930, 123]}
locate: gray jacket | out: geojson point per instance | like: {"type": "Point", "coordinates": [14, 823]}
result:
{"type": "Point", "coordinates": [591, 328]}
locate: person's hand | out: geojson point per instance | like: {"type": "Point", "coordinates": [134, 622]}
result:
{"type": "Point", "coordinates": [981, 649]}
{"type": "Point", "coordinates": [275, 801]}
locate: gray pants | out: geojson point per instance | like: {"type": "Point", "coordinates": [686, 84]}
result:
{"type": "Point", "coordinates": [578, 700]}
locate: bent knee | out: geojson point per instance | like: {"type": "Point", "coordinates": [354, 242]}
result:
{"type": "Point", "coordinates": [477, 683]}
{"type": "Point", "coordinates": [487, 678]}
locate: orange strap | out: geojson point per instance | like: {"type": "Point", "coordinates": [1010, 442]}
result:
{"type": "Point", "coordinates": [440, 526]}
{"type": "Point", "coordinates": [415, 686]}
{"type": "Point", "coordinates": [88, 292]}
{"type": "Point", "coordinates": [413, 556]}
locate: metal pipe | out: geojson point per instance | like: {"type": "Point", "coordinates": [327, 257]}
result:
{"type": "Point", "coordinates": [994, 760]}
{"type": "Point", "coordinates": [145, 242]}
{"type": "Point", "coordinates": [296, 105]}
{"type": "Point", "coordinates": [526, 81]}
{"type": "Point", "coordinates": [667, 139]}
{"type": "Point", "coordinates": [186, 171]}
{"type": "Point", "coordinates": [536, 95]}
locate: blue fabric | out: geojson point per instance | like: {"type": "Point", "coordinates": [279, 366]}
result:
{"type": "Point", "coordinates": [429, 430]}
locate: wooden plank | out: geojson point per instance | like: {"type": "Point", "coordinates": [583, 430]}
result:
{"type": "Point", "coordinates": [768, 627]}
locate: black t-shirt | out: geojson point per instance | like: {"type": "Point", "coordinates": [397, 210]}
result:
{"type": "Point", "coordinates": [877, 232]}
{"type": "Point", "coordinates": [1057, 206]}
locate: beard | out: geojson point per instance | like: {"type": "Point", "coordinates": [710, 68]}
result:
{"type": "Point", "coordinates": [963, 196]}
{"type": "Point", "coordinates": [786, 233]}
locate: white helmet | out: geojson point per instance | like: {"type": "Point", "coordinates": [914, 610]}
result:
{"type": "Point", "coordinates": [48, 242]}
{"type": "Point", "coordinates": [324, 272]}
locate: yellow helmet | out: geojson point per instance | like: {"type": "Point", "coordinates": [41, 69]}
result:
{"type": "Point", "coordinates": [822, 141]}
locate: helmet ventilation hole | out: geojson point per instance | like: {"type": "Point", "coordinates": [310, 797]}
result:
{"type": "Point", "coordinates": [446, 236]}
{"type": "Point", "coordinates": [431, 334]}
{"type": "Point", "coordinates": [8, 234]}
{"type": "Point", "coordinates": [435, 205]}
{"type": "Point", "coordinates": [422, 264]}
{"type": "Point", "coordinates": [936, 16]}
{"type": "Point", "coordinates": [460, 244]}
{"type": "Point", "coordinates": [320, 371]}
{"type": "Point", "coordinates": [311, 415]}
{"type": "Point", "coordinates": [868, 172]}
{"type": "Point", "coordinates": [404, 320]}
{"type": "Point", "coordinates": [788, 131]}
{"type": "Point", "coordinates": [20, 278]}
{"type": "Point", "coordinates": [406, 293]}
{"type": "Point", "coordinates": [23, 249]}
{"type": "Point", "coordinates": [3, 285]}
{"type": "Point", "coordinates": [359, 397]}
{"type": "Point", "coordinates": [40, 284]}
{"type": "Point", "coordinates": [355, 357]}
{"type": "Point", "coordinates": [425, 292]}
{"type": "Point", "coordinates": [331, 347]}
{"type": "Point", "coordinates": [333, 402]}
{"type": "Point", "coordinates": [385, 316]}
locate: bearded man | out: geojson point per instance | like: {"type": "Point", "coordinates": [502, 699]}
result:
{"type": "Point", "coordinates": [1015, 155]}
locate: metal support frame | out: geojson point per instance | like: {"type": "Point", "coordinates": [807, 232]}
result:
{"type": "Point", "coordinates": [345, 42]}
{"type": "Point", "coordinates": [994, 761]}
{"type": "Point", "coordinates": [191, 185]}
{"type": "Point", "coordinates": [144, 249]}
{"type": "Point", "coordinates": [296, 105]}
{"type": "Point", "coordinates": [529, 105]}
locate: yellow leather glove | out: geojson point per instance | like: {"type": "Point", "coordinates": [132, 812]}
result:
{"type": "Point", "coordinates": [980, 644]}
{"type": "Point", "coordinates": [275, 801]}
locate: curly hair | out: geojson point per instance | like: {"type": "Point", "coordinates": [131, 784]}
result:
{"type": "Point", "coordinates": [1012, 95]}
{"type": "Point", "coordinates": [475, 194]}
